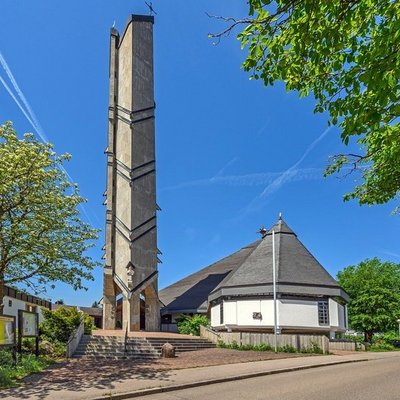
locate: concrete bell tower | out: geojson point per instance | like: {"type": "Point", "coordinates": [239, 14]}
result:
{"type": "Point", "coordinates": [130, 270]}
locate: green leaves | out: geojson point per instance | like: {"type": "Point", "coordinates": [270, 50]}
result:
{"type": "Point", "coordinates": [190, 325]}
{"type": "Point", "coordinates": [374, 289]}
{"type": "Point", "coordinates": [348, 55]}
{"type": "Point", "coordinates": [42, 239]}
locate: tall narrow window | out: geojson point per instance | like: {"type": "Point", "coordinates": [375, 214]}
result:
{"type": "Point", "coordinates": [221, 313]}
{"type": "Point", "coordinates": [323, 312]}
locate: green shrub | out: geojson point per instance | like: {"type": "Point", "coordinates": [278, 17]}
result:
{"type": "Point", "coordinates": [244, 347]}
{"type": "Point", "coordinates": [89, 324]}
{"type": "Point", "coordinates": [358, 339]}
{"type": "Point", "coordinates": [28, 364]}
{"type": "Point", "coordinates": [190, 325]}
{"type": "Point", "coordinates": [6, 358]}
{"type": "Point", "coordinates": [313, 349]}
{"type": "Point", "coordinates": [221, 344]}
{"type": "Point", "coordinates": [59, 324]}
{"type": "Point", "coordinates": [7, 377]}
{"type": "Point", "coordinates": [263, 347]}
{"type": "Point", "coordinates": [287, 349]}
{"type": "Point", "coordinates": [28, 344]}
{"type": "Point", "coordinates": [381, 345]}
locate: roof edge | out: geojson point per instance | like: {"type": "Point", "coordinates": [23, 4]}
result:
{"type": "Point", "coordinates": [134, 18]}
{"type": "Point", "coordinates": [282, 288]}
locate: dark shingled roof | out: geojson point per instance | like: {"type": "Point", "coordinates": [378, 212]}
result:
{"type": "Point", "coordinates": [190, 294]}
{"type": "Point", "coordinates": [249, 272]}
{"type": "Point", "coordinates": [294, 263]}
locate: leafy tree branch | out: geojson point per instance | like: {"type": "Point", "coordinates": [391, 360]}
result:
{"type": "Point", "coordinates": [42, 238]}
{"type": "Point", "coordinates": [347, 54]}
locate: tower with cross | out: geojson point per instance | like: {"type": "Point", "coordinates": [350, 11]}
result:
{"type": "Point", "coordinates": [130, 294]}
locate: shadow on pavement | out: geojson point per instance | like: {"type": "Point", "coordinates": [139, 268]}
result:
{"type": "Point", "coordinates": [82, 375]}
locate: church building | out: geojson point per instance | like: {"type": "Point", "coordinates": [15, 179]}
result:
{"type": "Point", "coordinates": [237, 292]}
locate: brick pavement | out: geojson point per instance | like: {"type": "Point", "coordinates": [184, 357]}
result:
{"type": "Point", "coordinates": [77, 379]}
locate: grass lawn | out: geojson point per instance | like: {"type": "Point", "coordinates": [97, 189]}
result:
{"type": "Point", "coordinates": [29, 364]}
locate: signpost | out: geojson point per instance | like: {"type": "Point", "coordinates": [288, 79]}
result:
{"type": "Point", "coordinates": [7, 330]}
{"type": "Point", "coordinates": [28, 326]}
{"type": "Point", "coordinates": [7, 333]}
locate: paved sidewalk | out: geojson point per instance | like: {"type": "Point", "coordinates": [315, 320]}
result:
{"type": "Point", "coordinates": [151, 382]}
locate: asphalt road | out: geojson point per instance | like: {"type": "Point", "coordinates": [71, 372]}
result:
{"type": "Point", "coordinates": [371, 380]}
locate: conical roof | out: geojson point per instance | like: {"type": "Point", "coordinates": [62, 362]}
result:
{"type": "Point", "coordinates": [297, 270]}
{"type": "Point", "coordinates": [248, 272]}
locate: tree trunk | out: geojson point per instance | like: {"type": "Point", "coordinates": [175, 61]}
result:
{"type": "Point", "coordinates": [368, 336]}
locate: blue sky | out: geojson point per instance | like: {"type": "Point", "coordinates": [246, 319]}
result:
{"type": "Point", "coordinates": [231, 154]}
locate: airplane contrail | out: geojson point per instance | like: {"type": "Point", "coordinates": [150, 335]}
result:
{"type": "Point", "coordinates": [285, 176]}
{"type": "Point", "coordinates": [31, 117]}
{"type": "Point", "coordinates": [17, 102]}
{"type": "Point", "coordinates": [10, 75]}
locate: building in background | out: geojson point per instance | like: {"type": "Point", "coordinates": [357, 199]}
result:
{"type": "Point", "coordinates": [15, 300]}
{"type": "Point", "coordinates": [237, 291]}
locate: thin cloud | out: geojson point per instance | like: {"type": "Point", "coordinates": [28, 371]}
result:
{"type": "Point", "coordinates": [391, 254]}
{"type": "Point", "coordinates": [262, 129]}
{"type": "Point", "coordinates": [284, 177]}
{"type": "Point", "coordinates": [256, 179]}
{"type": "Point", "coordinates": [225, 167]}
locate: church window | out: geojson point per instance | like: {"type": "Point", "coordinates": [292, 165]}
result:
{"type": "Point", "coordinates": [323, 312]}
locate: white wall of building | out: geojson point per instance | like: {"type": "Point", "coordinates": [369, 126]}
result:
{"type": "Point", "coordinates": [337, 314]}
{"type": "Point", "coordinates": [215, 315]}
{"type": "Point", "coordinates": [11, 307]}
{"type": "Point", "coordinates": [230, 312]}
{"type": "Point", "coordinates": [290, 313]}
{"type": "Point", "coordinates": [301, 313]}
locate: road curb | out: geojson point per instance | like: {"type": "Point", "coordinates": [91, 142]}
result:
{"type": "Point", "coordinates": [171, 388]}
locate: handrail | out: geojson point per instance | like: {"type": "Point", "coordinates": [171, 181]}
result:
{"type": "Point", "coordinates": [209, 329]}
{"type": "Point", "coordinates": [208, 333]}
{"type": "Point", "coordinates": [126, 339]}
{"type": "Point", "coordinates": [75, 338]}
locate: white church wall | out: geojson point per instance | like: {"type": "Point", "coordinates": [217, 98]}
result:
{"type": "Point", "coordinates": [333, 313]}
{"type": "Point", "coordinates": [215, 313]}
{"type": "Point", "coordinates": [291, 313]}
{"type": "Point", "coordinates": [267, 312]}
{"type": "Point", "coordinates": [336, 314]}
{"type": "Point", "coordinates": [230, 312]}
{"type": "Point", "coordinates": [245, 310]}
{"type": "Point", "coordinates": [302, 313]}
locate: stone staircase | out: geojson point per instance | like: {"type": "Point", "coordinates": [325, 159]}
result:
{"type": "Point", "coordinates": [140, 348]}
{"type": "Point", "coordinates": [113, 348]}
